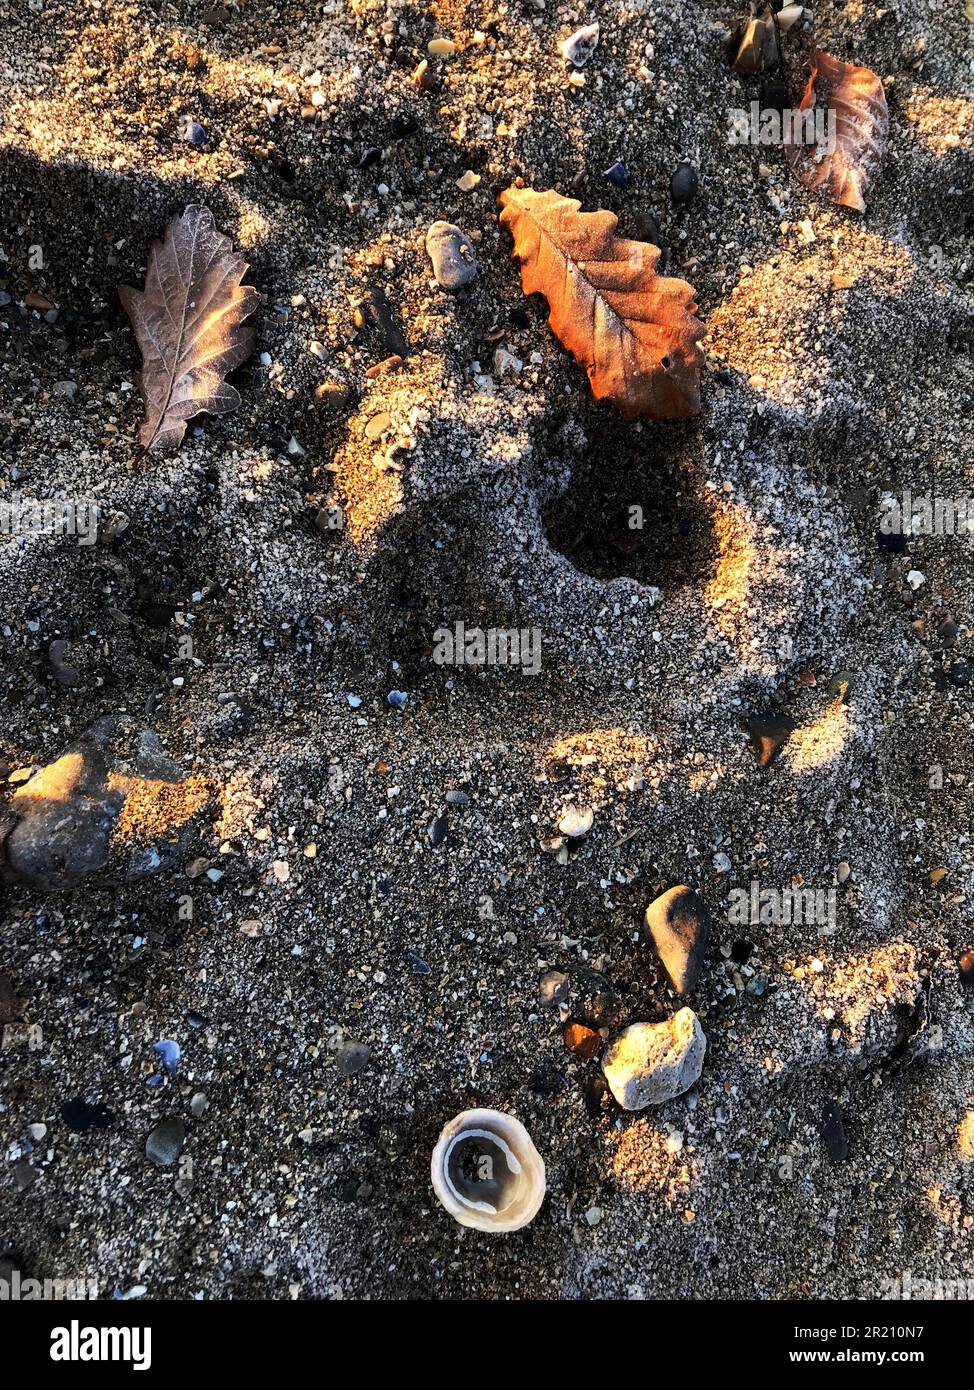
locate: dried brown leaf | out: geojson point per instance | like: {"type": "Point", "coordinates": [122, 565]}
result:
{"type": "Point", "coordinates": [188, 322]}
{"type": "Point", "coordinates": [857, 101]}
{"type": "Point", "coordinates": [635, 332]}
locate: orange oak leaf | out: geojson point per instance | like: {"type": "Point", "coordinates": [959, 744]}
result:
{"type": "Point", "coordinates": [189, 325]}
{"type": "Point", "coordinates": [635, 332]}
{"type": "Point", "coordinates": [851, 139]}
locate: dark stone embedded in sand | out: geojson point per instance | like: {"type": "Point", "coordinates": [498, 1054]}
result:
{"type": "Point", "coordinates": [832, 1130]}
{"type": "Point", "coordinates": [111, 804]}
{"type": "Point", "coordinates": [165, 1142]}
{"type": "Point", "coordinates": [959, 673]}
{"type": "Point", "coordinates": [353, 1057]}
{"type": "Point", "coordinates": [437, 830]}
{"type": "Point", "coordinates": [616, 174]}
{"type": "Point", "coordinates": [679, 924]}
{"type": "Point", "coordinates": [684, 184]}
{"type": "Point", "coordinates": [11, 1006]}
{"type": "Point", "coordinates": [769, 733]}
{"type": "Point", "coordinates": [374, 315]}
{"type": "Point", "coordinates": [452, 254]}
{"type": "Point", "coordinates": [840, 686]}
{"type": "Point", "coordinates": [25, 1175]}
{"type": "Point", "coordinates": [80, 1114]}
{"type": "Point", "coordinates": [595, 1003]}
{"type": "Point", "coordinates": [64, 672]}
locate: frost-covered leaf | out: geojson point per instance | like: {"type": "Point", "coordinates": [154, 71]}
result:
{"type": "Point", "coordinates": [189, 325]}
{"type": "Point", "coordinates": [635, 332]}
{"type": "Point", "coordinates": [854, 105]}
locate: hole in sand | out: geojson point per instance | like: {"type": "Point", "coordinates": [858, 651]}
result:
{"type": "Point", "coordinates": [633, 508]}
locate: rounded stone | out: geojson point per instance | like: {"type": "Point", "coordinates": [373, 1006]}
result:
{"type": "Point", "coordinates": [651, 1063]}
{"type": "Point", "coordinates": [452, 254]}
{"type": "Point", "coordinates": [679, 924]}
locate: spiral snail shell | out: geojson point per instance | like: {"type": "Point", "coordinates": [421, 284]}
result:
{"type": "Point", "coordinates": [486, 1171]}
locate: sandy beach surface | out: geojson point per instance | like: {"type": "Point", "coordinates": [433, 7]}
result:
{"type": "Point", "coordinates": [343, 914]}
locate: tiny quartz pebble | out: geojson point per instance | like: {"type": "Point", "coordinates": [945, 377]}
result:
{"type": "Point", "coordinates": [468, 182]}
{"type": "Point", "coordinates": [452, 254]}
{"type": "Point", "coordinates": [576, 821]}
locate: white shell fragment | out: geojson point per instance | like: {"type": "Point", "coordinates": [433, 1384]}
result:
{"type": "Point", "coordinates": [579, 47]}
{"type": "Point", "coordinates": [486, 1171]}
{"type": "Point", "coordinates": [576, 821]}
{"type": "Point", "coordinates": [790, 15]}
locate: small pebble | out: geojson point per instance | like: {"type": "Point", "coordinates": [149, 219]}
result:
{"type": "Point", "coordinates": [586, 1042]}
{"type": "Point", "coordinates": [192, 132]}
{"type": "Point", "coordinates": [164, 1144]}
{"type": "Point", "coordinates": [437, 829]}
{"type": "Point", "coordinates": [769, 733]}
{"type": "Point", "coordinates": [452, 254]}
{"type": "Point", "coordinates": [352, 1058]}
{"type": "Point", "coordinates": [397, 699]}
{"type": "Point", "coordinates": [832, 1130]}
{"type": "Point", "coordinates": [684, 184]}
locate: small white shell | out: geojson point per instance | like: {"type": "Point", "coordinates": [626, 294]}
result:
{"type": "Point", "coordinates": [576, 821]}
{"type": "Point", "coordinates": [466, 1180]}
{"type": "Point", "coordinates": [579, 47]}
{"type": "Point", "coordinates": [790, 15]}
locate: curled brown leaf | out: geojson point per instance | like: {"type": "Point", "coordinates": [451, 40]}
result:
{"type": "Point", "coordinates": [844, 164]}
{"type": "Point", "coordinates": [635, 332]}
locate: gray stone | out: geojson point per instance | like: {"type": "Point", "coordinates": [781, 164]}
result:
{"type": "Point", "coordinates": [650, 1063]}
{"type": "Point", "coordinates": [679, 924]}
{"type": "Point", "coordinates": [452, 254]}
{"type": "Point", "coordinates": [353, 1057]}
{"type": "Point", "coordinates": [165, 1142]}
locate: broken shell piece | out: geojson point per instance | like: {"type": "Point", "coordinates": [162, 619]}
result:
{"type": "Point", "coordinates": [581, 45]}
{"type": "Point", "coordinates": [576, 821]}
{"type": "Point", "coordinates": [754, 45]}
{"type": "Point", "coordinates": [790, 15]}
{"type": "Point", "coordinates": [486, 1171]}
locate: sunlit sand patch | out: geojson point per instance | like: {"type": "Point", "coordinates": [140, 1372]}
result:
{"type": "Point", "coordinates": [768, 326]}
{"type": "Point", "coordinates": [859, 998]}
{"type": "Point", "coordinates": [154, 809]}
{"type": "Point", "coordinates": [941, 123]}
{"type": "Point", "coordinates": [815, 745]}
{"type": "Point", "coordinates": [606, 763]}
{"type": "Point", "coordinates": [645, 1159]}
{"type": "Point", "coordinates": [240, 808]}
{"type": "Point", "coordinates": [741, 569]}
{"type": "Point", "coordinates": [168, 71]}
{"type": "Point", "coordinates": [965, 1137]}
